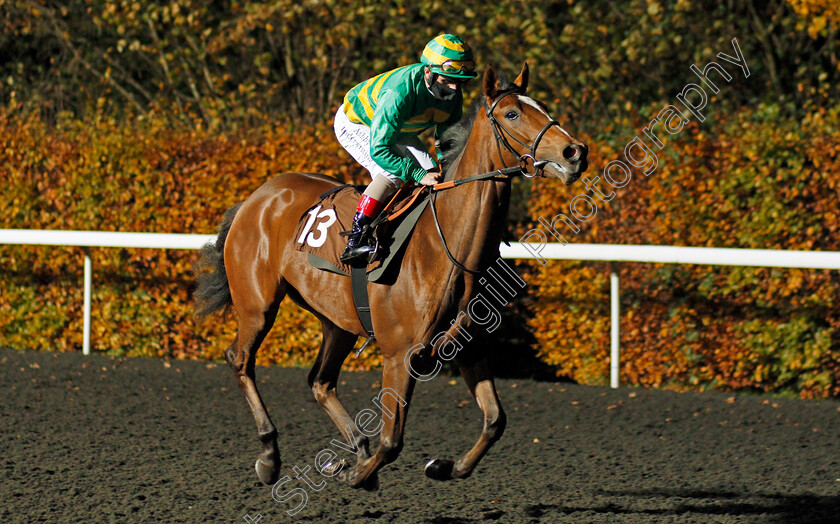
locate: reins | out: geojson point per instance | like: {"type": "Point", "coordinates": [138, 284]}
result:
{"type": "Point", "coordinates": [443, 239]}
{"type": "Point", "coordinates": [515, 170]}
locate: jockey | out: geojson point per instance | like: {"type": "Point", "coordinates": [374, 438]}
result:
{"type": "Point", "coordinates": [381, 118]}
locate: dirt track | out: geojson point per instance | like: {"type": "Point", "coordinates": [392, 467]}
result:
{"type": "Point", "coordinates": [100, 439]}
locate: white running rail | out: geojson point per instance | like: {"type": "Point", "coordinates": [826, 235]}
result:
{"type": "Point", "coordinates": [542, 252]}
{"type": "Point", "coordinates": [88, 239]}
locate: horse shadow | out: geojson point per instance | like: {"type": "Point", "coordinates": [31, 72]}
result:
{"type": "Point", "coordinates": [771, 507]}
{"type": "Point", "coordinates": [514, 350]}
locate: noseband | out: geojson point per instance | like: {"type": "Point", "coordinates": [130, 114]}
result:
{"type": "Point", "coordinates": [501, 135]}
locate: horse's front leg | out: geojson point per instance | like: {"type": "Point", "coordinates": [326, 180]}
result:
{"type": "Point", "coordinates": [393, 399]}
{"type": "Point", "coordinates": [479, 379]}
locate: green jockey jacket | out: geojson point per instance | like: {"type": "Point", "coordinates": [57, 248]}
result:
{"type": "Point", "coordinates": [398, 104]}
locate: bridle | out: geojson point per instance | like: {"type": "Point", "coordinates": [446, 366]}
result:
{"type": "Point", "coordinates": [525, 159]}
{"type": "Point", "coordinates": [499, 132]}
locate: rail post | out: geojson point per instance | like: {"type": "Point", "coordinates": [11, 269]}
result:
{"type": "Point", "coordinates": [614, 326]}
{"type": "Point", "coordinates": [86, 336]}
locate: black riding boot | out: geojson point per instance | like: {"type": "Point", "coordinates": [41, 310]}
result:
{"type": "Point", "coordinates": [359, 244]}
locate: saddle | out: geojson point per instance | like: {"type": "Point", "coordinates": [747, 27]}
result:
{"type": "Point", "coordinates": [320, 234]}
{"type": "Point", "coordinates": [320, 228]}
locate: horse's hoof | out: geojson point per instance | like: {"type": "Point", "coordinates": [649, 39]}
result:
{"type": "Point", "coordinates": [439, 469]}
{"type": "Point", "coordinates": [354, 479]}
{"type": "Point", "coordinates": [371, 483]}
{"type": "Point", "coordinates": [342, 477]}
{"type": "Point", "coordinates": [333, 467]}
{"type": "Point", "coordinates": [267, 472]}
{"type": "Point", "coordinates": [345, 476]}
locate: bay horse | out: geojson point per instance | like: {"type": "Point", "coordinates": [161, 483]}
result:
{"type": "Point", "coordinates": [254, 264]}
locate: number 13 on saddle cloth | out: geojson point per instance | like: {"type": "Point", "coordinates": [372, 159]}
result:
{"type": "Point", "coordinates": [319, 229]}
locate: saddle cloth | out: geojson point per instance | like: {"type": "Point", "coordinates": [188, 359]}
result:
{"type": "Point", "coordinates": [319, 228]}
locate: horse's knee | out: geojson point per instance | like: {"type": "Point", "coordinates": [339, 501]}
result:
{"type": "Point", "coordinates": [494, 426]}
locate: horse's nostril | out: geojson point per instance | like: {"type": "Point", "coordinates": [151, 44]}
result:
{"type": "Point", "coordinates": [571, 153]}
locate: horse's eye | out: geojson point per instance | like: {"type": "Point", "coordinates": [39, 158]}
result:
{"type": "Point", "coordinates": [511, 115]}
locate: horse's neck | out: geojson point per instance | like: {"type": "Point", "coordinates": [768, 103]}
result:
{"type": "Point", "coordinates": [475, 212]}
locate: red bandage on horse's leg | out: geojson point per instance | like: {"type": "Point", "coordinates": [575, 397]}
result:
{"type": "Point", "coordinates": [368, 206]}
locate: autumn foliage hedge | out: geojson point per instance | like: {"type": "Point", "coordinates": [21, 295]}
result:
{"type": "Point", "coordinates": [147, 175]}
{"type": "Point", "coordinates": [747, 180]}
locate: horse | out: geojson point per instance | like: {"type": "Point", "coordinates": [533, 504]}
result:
{"type": "Point", "coordinates": [253, 265]}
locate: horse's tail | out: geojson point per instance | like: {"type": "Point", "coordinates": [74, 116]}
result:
{"type": "Point", "coordinates": [213, 291]}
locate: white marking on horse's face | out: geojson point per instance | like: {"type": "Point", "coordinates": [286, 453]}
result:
{"type": "Point", "coordinates": [533, 103]}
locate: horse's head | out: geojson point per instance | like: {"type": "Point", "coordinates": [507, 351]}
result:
{"type": "Point", "coordinates": [527, 134]}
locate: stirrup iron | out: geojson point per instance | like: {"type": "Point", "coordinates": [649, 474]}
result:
{"type": "Point", "coordinates": [368, 341]}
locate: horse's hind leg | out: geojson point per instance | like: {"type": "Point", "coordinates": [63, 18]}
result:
{"type": "Point", "coordinates": [255, 320]}
{"type": "Point", "coordinates": [477, 375]}
{"type": "Point", "coordinates": [323, 378]}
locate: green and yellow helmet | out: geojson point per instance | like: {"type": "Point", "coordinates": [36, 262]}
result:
{"type": "Point", "coordinates": [449, 55]}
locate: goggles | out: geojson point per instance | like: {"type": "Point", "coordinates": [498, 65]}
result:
{"type": "Point", "coordinates": [457, 67]}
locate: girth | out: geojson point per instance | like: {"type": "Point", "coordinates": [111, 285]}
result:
{"type": "Point", "coordinates": [359, 284]}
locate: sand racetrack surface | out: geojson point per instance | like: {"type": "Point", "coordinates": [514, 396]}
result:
{"type": "Point", "coordinates": [103, 439]}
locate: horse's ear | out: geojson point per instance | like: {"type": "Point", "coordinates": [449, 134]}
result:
{"type": "Point", "coordinates": [522, 80]}
{"type": "Point", "coordinates": [490, 83]}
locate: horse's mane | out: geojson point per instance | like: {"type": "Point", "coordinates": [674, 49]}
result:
{"type": "Point", "coordinates": [454, 140]}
